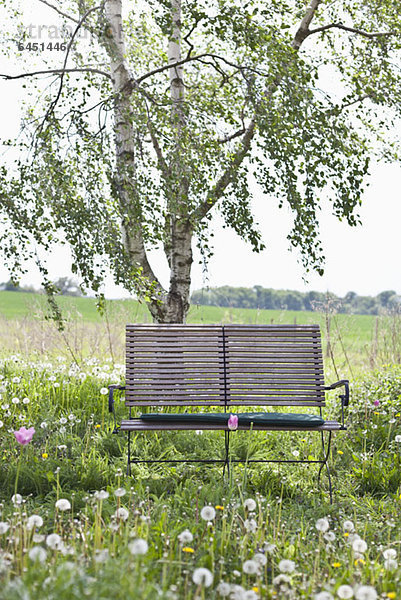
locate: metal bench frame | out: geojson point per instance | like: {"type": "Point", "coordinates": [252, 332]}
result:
{"type": "Point", "coordinates": [226, 366]}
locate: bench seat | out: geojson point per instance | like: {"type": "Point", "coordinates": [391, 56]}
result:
{"type": "Point", "coordinates": [191, 424]}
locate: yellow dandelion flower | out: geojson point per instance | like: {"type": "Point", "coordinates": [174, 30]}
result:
{"type": "Point", "coordinates": [391, 595]}
{"type": "Point", "coordinates": [376, 413]}
{"type": "Point", "coordinates": [97, 426]}
{"type": "Point", "coordinates": [359, 561]}
{"type": "Point", "coordinates": [346, 534]}
{"type": "Point", "coordinates": [336, 565]}
{"type": "Point", "coordinates": [397, 415]}
{"type": "Point", "coordinates": [218, 507]}
{"type": "Point", "coordinates": [256, 589]}
{"type": "Point", "coordinates": [340, 452]}
{"type": "Point", "coordinates": [188, 549]}
{"type": "Point", "coordinates": [45, 455]}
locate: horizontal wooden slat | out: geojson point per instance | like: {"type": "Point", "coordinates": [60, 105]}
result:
{"type": "Point", "coordinates": [246, 401]}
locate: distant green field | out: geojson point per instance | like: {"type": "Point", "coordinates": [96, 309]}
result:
{"type": "Point", "coordinates": [20, 305]}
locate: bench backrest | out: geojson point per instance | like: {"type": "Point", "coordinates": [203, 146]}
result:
{"type": "Point", "coordinates": [201, 365]}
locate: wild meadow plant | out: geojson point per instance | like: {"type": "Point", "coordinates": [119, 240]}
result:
{"type": "Point", "coordinates": [78, 527]}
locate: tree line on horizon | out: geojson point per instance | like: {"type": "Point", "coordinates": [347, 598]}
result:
{"type": "Point", "coordinates": [266, 298]}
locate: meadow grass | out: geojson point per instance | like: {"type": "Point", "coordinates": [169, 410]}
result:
{"type": "Point", "coordinates": [78, 526]}
{"type": "Point", "coordinates": [72, 524]}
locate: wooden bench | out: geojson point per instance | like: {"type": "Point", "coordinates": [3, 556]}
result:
{"type": "Point", "coordinates": [181, 367]}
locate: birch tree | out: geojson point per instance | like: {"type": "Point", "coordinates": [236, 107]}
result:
{"type": "Point", "coordinates": [158, 114]}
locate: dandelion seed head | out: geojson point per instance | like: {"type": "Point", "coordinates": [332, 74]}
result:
{"type": "Point", "coordinates": [101, 495]}
{"type": "Point", "coordinates": [202, 576]}
{"type": "Point", "coordinates": [185, 537]}
{"type": "Point", "coordinates": [359, 545]}
{"type": "Point", "coordinates": [348, 526]}
{"type": "Point", "coordinates": [323, 596]}
{"type": "Point", "coordinates": [322, 525]}
{"type": "Point", "coordinates": [138, 547]}
{"type": "Point", "coordinates": [4, 527]}
{"type": "Point", "coordinates": [16, 499]}
{"type": "Point", "coordinates": [34, 521]}
{"type": "Point", "coordinates": [345, 592]}
{"type": "Point", "coordinates": [53, 540]}
{"type": "Point", "coordinates": [223, 589]}
{"type": "Point", "coordinates": [260, 559]}
{"type": "Point", "coordinates": [250, 567]}
{"type": "Point", "coordinates": [390, 553]}
{"type": "Point", "coordinates": [37, 554]}
{"type": "Point", "coordinates": [119, 492]}
{"type": "Point", "coordinates": [390, 564]}
{"type": "Point", "coordinates": [122, 513]}
{"type": "Point", "coordinates": [250, 504]}
{"type": "Point", "coordinates": [250, 525]}
{"type": "Point", "coordinates": [366, 592]}
{"type": "Point", "coordinates": [286, 566]}
{"type": "Point", "coordinates": [208, 513]}
{"type": "Point", "coordinates": [63, 504]}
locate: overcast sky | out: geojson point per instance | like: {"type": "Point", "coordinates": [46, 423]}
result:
{"type": "Point", "coordinates": [365, 259]}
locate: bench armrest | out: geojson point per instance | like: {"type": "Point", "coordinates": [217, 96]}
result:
{"type": "Point", "coordinates": [112, 389]}
{"type": "Point", "coordinates": [344, 397]}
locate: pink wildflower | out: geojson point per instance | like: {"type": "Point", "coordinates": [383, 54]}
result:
{"type": "Point", "coordinates": [376, 403]}
{"type": "Point", "coordinates": [24, 436]}
{"type": "Point", "coordinates": [233, 422]}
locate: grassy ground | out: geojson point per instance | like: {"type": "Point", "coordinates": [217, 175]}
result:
{"type": "Point", "coordinates": [81, 528]}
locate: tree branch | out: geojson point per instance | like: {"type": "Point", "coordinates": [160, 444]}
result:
{"type": "Point", "coordinates": [228, 175]}
{"type": "Point", "coordinates": [56, 71]}
{"type": "Point", "coordinates": [367, 34]}
{"type": "Point", "coordinates": [60, 12]}
{"type": "Point", "coordinates": [303, 30]}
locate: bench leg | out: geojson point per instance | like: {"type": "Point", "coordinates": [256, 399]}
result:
{"type": "Point", "coordinates": [325, 463]}
{"type": "Point", "coordinates": [227, 457]}
{"type": "Point", "coordinates": [129, 454]}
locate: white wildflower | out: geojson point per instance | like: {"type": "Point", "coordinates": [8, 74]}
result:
{"type": "Point", "coordinates": [348, 526]}
{"type": "Point", "coordinates": [390, 553]}
{"type": "Point", "coordinates": [359, 546]}
{"type": "Point", "coordinates": [250, 595]}
{"type": "Point", "coordinates": [366, 592]}
{"type": "Point", "coordinates": [34, 521]}
{"type": "Point", "coordinates": [250, 525]}
{"type": "Point", "coordinates": [43, 425]}
{"type": "Point", "coordinates": [322, 525]}
{"type": "Point", "coordinates": [15, 400]}
{"type": "Point", "coordinates": [397, 439]}
{"type": "Point", "coordinates": [104, 391]}
{"type": "Point", "coordinates": [53, 540]}
{"type": "Point", "coordinates": [260, 559]}
{"type": "Point", "coordinates": [4, 527]}
{"type": "Point", "coordinates": [279, 579]}
{"type": "Point", "coordinates": [295, 453]}
{"type": "Point", "coordinates": [185, 537]}
{"type": "Point", "coordinates": [269, 548]}
{"type": "Point", "coordinates": [250, 504]}
{"type": "Point", "coordinates": [390, 564]}
{"type": "Point", "coordinates": [208, 513]}
{"type": "Point", "coordinates": [223, 588]}
{"type": "Point", "coordinates": [286, 566]}
{"type": "Point", "coordinates": [138, 547]}
{"type": "Point", "coordinates": [1, 424]}
{"type": "Point", "coordinates": [202, 576]}
{"type": "Point", "coordinates": [122, 513]}
{"type": "Point", "coordinates": [37, 554]}
{"type": "Point", "coordinates": [16, 499]}
{"type": "Point", "coordinates": [25, 401]}
{"type": "Point", "coordinates": [250, 567]}
{"type": "Point", "coordinates": [102, 495]}
{"type": "Point", "coordinates": [63, 504]}
{"type": "Point", "coordinates": [345, 592]}
{"type": "Point", "coordinates": [63, 420]}
{"type": "Point", "coordinates": [323, 596]}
